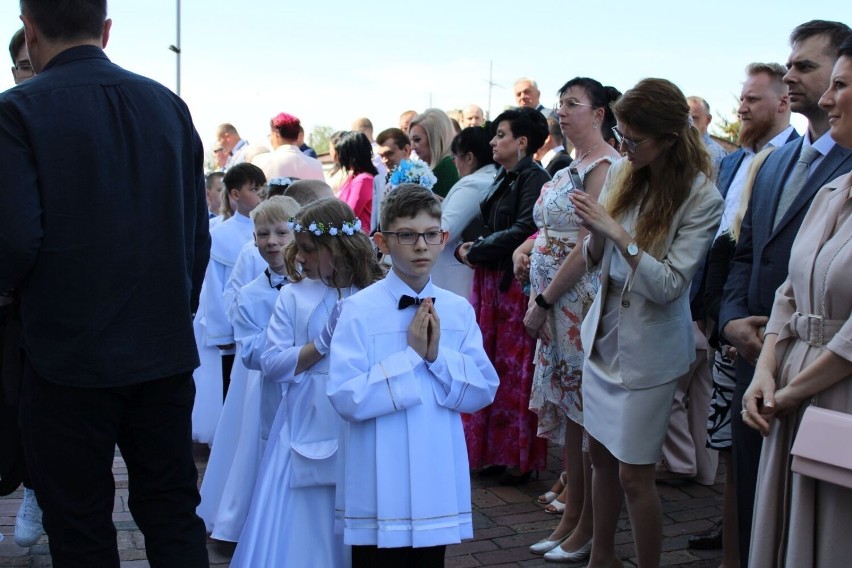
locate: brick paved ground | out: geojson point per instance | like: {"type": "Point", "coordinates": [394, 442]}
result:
{"type": "Point", "coordinates": [507, 521]}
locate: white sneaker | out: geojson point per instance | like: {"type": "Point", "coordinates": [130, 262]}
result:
{"type": "Point", "coordinates": [28, 527]}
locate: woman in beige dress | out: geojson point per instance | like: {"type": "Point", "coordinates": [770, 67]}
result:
{"type": "Point", "coordinates": [799, 521]}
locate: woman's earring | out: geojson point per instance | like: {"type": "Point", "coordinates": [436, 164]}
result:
{"type": "Point", "coordinates": [520, 156]}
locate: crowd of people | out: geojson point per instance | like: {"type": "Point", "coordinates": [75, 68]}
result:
{"type": "Point", "coordinates": [447, 298]}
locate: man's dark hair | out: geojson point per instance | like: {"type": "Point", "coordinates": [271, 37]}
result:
{"type": "Point", "coordinates": [18, 41]}
{"type": "Point", "coordinates": [845, 49]}
{"type": "Point", "coordinates": [67, 19]}
{"type": "Point", "coordinates": [241, 174]}
{"type": "Point", "coordinates": [555, 131]}
{"type": "Point", "coordinates": [398, 136]}
{"type": "Point", "coordinates": [837, 33]}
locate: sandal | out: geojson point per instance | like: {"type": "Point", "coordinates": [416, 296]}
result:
{"type": "Point", "coordinates": [555, 491]}
{"type": "Point", "coordinates": [556, 506]}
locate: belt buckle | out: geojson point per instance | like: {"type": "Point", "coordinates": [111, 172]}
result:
{"type": "Point", "coordinates": [821, 327]}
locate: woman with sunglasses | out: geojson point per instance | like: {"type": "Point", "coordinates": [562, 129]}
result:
{"type": "Point", "coordinates": [561, 293]}
{"type": "Point", "coordinates": [504, 433]}
{"type": "Point", "coordinates": [657, 215]}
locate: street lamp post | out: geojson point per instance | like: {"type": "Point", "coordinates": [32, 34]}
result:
{"type": "Point", "coordinates": [176, 49]}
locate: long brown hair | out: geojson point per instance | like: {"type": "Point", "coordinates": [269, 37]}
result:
{"type": "Point", "coordinates": [657, 108]}
{"type": "Point", "coordinates": [353, 254]}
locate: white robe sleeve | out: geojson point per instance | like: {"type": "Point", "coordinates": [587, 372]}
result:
{"type": "Point", "coordinates": [249, 335]}
{"type": "Point", "coordinates": [243, 273]}
{"type": "Point", "coordinates": [219, 330]}
{"type": "Point", "coordinates": [360, 391]}
{"type": "Point", "coordinates": [278, 362]}
{"type": "Point", "coordinates": [465, 380]}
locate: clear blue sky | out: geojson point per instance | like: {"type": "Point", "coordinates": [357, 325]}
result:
{"type": "Point", "coordinates": [329, 62]}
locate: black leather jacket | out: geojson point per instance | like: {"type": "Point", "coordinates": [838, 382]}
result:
{"type": "Point", "coordinates": [506, 213]}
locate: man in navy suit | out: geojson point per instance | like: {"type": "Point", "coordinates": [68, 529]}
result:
{"type": "Point", "coordinates": [764, 114]}
{"type": "Point", "coordinates": [763, 251]}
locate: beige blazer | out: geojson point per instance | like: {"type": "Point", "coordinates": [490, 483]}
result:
{"type": "Point", "coordinates": [655, 336]}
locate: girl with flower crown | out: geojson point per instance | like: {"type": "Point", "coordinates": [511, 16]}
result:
{"type": "Point", "coordinates": [291, 519]}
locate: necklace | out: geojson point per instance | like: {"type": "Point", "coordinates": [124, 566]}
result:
{"type": "Point", "coordinates": [583, 157]}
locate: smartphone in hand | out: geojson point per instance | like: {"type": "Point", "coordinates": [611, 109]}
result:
{"type": "Point", "coordinates": [575, 178]}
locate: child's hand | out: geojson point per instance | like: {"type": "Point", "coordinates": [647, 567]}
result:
{"type": "Point", "coordinates": [418, 330]}
{"type": "Point", "coordinates": [323, 340]}
{"type": "Point", "coordinates": [434, 333]}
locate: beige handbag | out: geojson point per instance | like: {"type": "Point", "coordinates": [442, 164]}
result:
{"type": "Point", "coordinates": [823, 446]}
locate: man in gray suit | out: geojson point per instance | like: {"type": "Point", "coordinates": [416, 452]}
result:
{"type": "Point", "coordinates": [783, 190]}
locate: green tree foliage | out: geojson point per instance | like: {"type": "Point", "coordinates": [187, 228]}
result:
{"type": "Point", "coordinates": [318, 139]}
{"type": "Point", "coordinates": [730, 128]}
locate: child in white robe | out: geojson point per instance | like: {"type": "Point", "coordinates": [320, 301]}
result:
{"type": "Point", "coordinates": [235, 456]}
{"type": "Point", "coordinates": [400, 375]}
{"type": "Point", "coordinates": [243, 183]}
{"type": "Point", "coordinates": [291, 519]}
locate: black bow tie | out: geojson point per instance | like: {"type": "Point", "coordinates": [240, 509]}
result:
{"type": "Point", "coordinates": [269, 277]}
{"type": "Point", "coordinates": [406, 301]}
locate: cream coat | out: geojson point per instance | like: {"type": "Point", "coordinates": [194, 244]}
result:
{"type": "Point", "coordinates": [655, 338]}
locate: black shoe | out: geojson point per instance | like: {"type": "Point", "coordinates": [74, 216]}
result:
{"type": "Point", "coordinates": [513, 479]}
{"type": "Point", "coordinates": [491, 471]}
{"type": "Point", "coordinates": [711, 539]}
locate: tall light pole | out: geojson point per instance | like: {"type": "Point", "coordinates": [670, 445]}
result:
{"type": "Point", "coordinates": [176, 49]}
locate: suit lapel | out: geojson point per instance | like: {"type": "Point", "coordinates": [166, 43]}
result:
{"type": "Point", "coordinates": [831, 166]}
{"type": "Point", "coordinates": [728, 170]}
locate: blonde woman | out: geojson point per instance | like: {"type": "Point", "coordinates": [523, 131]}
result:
{"type": "Point", "coordinates": [431, 134]}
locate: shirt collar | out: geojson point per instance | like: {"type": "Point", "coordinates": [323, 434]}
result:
{"type": "Point", "coordinates": [76, 53]}
{"type": "Point", "coordinates": [397, 288]}
{"type": "Point", "coordinates": [823, 144]}
{"type": "Point", "coordinates": [781, 138]}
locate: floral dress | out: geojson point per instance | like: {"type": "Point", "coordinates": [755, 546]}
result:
{"type": "Point", "coordinates": [555, 394]}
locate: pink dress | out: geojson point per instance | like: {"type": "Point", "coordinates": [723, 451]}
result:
{"type": "Point", "coordinates": [357, 192]}
{"type": "Point", "coordinates": [504, 433]}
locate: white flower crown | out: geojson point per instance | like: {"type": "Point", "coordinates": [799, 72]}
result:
{"type": "Point", "coordinates": [348, 228]}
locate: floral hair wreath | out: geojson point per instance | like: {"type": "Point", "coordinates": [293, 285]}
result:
{"type": "Point", "coordinates": [280, 181]}
{"type": "Point", "coordinates": [348, 228]}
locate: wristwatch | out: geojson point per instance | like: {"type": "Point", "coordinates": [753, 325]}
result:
{"type": "Point", "coordinates": [542, 303]}
{"type": "Point", "coordinates": [632, 249]}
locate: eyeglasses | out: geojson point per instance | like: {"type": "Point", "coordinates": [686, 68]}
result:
{"type": "Point", "coordinates": [24, 70]}
{"type": "Point", "coordinates": [410, 237]}
{"type": "Point", "coordinates": [570, 105]}
{"type": "Point", "coordinates": [631, 145]}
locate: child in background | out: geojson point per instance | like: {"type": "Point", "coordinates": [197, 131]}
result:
{"type": "Point", "coordinates": [240, 436]}
{"type": "Point", "coordinates": [291, 519]}
{"type": "Point", "coordinates": [243, 183]}
{"type": "Point", "coordinates": [400, 375]}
